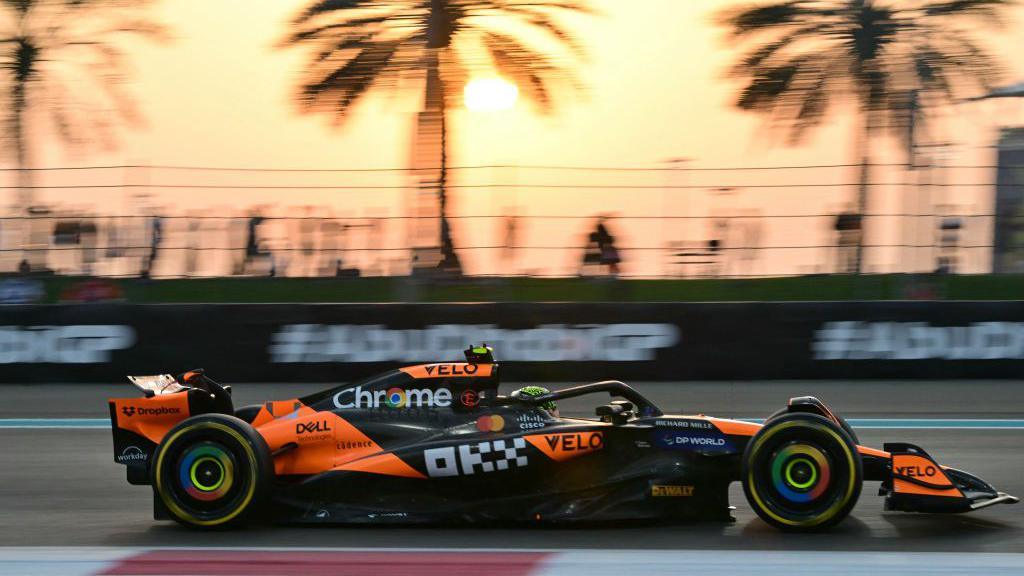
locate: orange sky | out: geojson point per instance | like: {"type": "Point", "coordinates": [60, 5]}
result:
{"type": "Point", "coordinates": [220, 95]}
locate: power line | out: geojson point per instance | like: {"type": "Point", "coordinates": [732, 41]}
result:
{"type": "Point", "coordinates": [552, 167]}
{"type": "Point", "coordinates": [535, 186]}
{"type": "Point", "coordinates": [481, 217]}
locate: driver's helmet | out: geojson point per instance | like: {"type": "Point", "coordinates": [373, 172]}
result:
{"type": "Point", "coordinates": [550, 406]}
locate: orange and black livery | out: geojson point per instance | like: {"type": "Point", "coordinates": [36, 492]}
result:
{"type": "Point", "coordinates": [437, 442]}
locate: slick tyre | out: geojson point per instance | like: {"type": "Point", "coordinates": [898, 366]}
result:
{"type": "Point", "coordinates": [212, 471]}
{"type": "Point", "coordinates": [802, 473]}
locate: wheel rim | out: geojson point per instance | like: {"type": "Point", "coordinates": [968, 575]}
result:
{"type": "Point", "coordinates": [206, 471]}
{"type": "Point", "coordinates": [800, 472]}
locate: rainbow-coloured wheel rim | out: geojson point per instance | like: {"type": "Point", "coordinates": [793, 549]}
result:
{"type": "Point", "coordinates": [206, 471]}
{"type": "Point", "coordinates": [800, 473]}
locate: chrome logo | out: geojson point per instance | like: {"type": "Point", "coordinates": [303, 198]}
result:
{"type": "Point", "coordinates": [800, 473]}
{"type": "Point", "coordinates": [396, 398]}
{"type": "Point", "coordinates": [206, 471]}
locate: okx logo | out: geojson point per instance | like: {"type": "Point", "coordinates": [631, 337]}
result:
{"type": "Point", "coordinates": [468, 459]}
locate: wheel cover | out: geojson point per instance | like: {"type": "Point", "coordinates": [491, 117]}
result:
{"type": "Point", "coordinates": [206, 474]}
{"type": "Point", "coordinates": [801, 472]}
{"type": "Point", "coordinates": [798, 482]}
{"type": "Point", "coordinates": [206, 471]}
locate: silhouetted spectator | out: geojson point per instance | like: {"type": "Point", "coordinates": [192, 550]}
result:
{"type": "Point", "coordinates": [848, 229]}
{"type": "Point", "coordinates": [307, 238]}
{"type": "Point", "coordinates": [88, 237]}
{"type": "Point", "coordinates": [156, 237]}
{"type": "Point", "coordinates": [511, 239]}
{"type": "Point", "coordinates": [606, 247]}
{"type": "Point", "coordinates": [192, 239]}
{"type": "Point", "coordinates": [252, 242]}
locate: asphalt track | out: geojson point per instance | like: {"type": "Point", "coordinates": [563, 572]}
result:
{"type": "Point", "coordinates": [60, 487]}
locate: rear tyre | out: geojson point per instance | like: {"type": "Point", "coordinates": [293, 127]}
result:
{"type": "Point", "coordinates": [212, 471]}
{"type": "Point", "coordinates": [802, 473]}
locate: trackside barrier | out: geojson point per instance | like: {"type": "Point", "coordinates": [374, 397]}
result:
{"type": "Point", "coordinates": [542, 342]}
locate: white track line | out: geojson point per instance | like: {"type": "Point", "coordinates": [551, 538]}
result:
{"type": "Point", "coordinates": [47, 561]}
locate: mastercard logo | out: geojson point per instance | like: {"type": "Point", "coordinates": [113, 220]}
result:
{"type": "Point", "coordinates": [396, 398]}
{"type": "Point", "coordinates": [490, 423]}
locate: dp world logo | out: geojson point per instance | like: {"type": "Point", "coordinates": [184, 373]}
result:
{"type": "Point", "coordinates": [128, 411]}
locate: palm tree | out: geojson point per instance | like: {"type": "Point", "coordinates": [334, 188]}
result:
{"type": "Point", "coordinates": [49, 52]}
{"type": "Point", "coordinates": [894, 59]}
{"type": "Point", "coordinates": [356, 45]}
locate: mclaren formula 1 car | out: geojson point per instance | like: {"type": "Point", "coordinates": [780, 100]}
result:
{"type": "Point", "coordinates": [438, 443]}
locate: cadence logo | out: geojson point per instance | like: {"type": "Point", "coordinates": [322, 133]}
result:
{"type": "Point", "coordinates": [393, 398]}
{"type": "Point", "coordinates": [130, 411]}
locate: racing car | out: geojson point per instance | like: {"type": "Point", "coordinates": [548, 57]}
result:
{"type": "Point", "coordinates": [437, 443]}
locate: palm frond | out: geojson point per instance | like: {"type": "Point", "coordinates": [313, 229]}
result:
{"type": "Point", "coordinates": [141, 27]}
{"type": "Point", "coordinates": [564, 5]}
{"type": "Point", "coordinates": [336, 29]}
{"type": "Point", "coordinates": [745, 65]}
{"type": "Point", "coordinates": [751, 19]}
{"type": "Point", "coordinates": [991, 8]}
{"type": "Point", "coordinates": [532, 71]}
{"type": "Point", "coordinates": [20, 7]}
{"type": "Point", "coordinates": [546, 23]}
{"type": "Point", "coordinates": [340, 88]}
{"type": "Point", "coordinates": [328, 6]}
{"type": "Point", "coordinates": [769, 85]}
{"type": "Point", "coordinates": [345, 44]}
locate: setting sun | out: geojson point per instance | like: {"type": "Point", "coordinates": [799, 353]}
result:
{"type": "Point", "coordinates": [490, 94]}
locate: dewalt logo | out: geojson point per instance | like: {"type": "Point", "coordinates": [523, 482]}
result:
{"type": "Point", "coordinates": [671, 491]}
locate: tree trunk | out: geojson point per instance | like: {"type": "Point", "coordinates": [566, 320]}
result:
{"type": "Point", "coordinates": [23, 201]}
{"type": "Point", "coordinates": [863, 183]}
{"type": "Point", "coordinates": [439, 35]}
{"type": "Point", "coordinates": [24, 198]}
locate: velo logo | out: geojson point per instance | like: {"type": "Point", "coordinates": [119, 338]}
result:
{"type": "Point", "coordinates": [565, 446]}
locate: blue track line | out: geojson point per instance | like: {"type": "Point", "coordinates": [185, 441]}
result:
{"type": "Point", "coordinates": [859, 423]}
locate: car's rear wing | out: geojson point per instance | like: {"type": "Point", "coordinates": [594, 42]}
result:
{"type": "Point", "coordinates": [139, 424]}
{"type": "Point", "coordinates": [156, 385]}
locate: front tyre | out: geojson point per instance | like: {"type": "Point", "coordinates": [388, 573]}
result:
{"type": "Point", "coordinates": [802, 473]}
{"type": "Point", "coordinates": [212, 470]}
